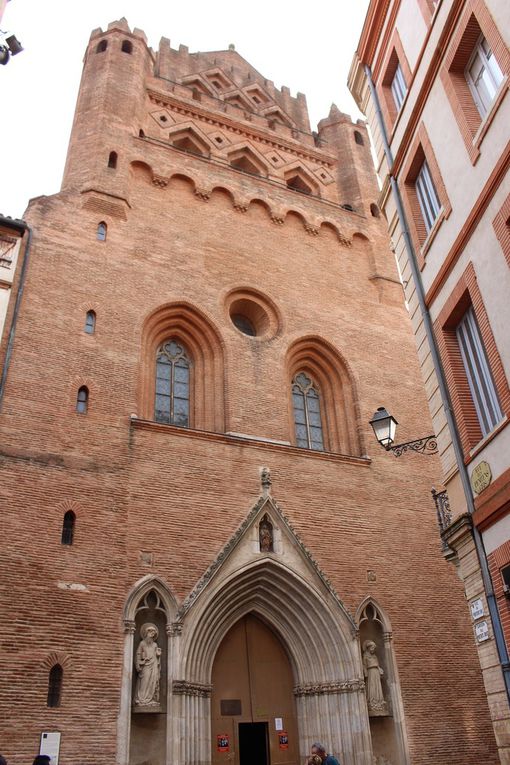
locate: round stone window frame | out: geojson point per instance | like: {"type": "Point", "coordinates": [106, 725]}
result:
{"type": "Point", "coordinates": [260, 311]}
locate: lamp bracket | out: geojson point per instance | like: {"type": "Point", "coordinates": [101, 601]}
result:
{"type": "Point", "coordinates": [426, 445]}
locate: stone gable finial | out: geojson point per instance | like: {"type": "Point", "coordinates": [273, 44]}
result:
{"type": "Point", "coordinates": [265, 480]}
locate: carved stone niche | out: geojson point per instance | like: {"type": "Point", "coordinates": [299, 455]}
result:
{"type": "Point", "coordinates": [149, 656]}
{"type": "Point", "coordinates": [375, 669]}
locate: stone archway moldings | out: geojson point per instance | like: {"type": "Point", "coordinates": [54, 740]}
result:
{"type": "Point", "coordinates": [264, 504]}
{"type": "Point", "coordinates": [288, 592]}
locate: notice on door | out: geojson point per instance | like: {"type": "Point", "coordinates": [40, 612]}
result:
{"type": "Point", "coordinates": [223, 742]}
{"type": "Point", "coordinates": [283, 740]}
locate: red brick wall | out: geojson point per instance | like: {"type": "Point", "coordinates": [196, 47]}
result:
{"type": "Point", "coordinates": [183, 233]}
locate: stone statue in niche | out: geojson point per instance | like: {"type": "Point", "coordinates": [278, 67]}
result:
{"type": "Point", "coordinates": [148, 667]}
{"type": "Point", "coordinates": [373, 672]}
{"type": "Point", "coordinates": [265, 535]}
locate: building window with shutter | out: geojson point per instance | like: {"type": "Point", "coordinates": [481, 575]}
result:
{"type": "Point", "coordinates": [478, 373]}
{"type": "Point", "coordinates": [483, 76]}
{"type": "Point", "coordinates": [398, 87]}
{"type": "Point", "coordinates": [427, 197]}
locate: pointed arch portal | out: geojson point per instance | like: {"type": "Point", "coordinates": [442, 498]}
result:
{"type": "Point", "coordinates": [261, 643]}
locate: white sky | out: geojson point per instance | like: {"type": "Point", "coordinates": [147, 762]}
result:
{"type": "Point", "coordinates": [303, 44]}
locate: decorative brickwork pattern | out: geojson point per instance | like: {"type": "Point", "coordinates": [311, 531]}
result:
{"type": "Point", "coordinates": [427, 7]}
{"type": "Point", "coordinates": [476, 20]}
{"type": "Point", "coordinates": [501, 225]}
{"type": "Point", "coordinates": [465, 294]}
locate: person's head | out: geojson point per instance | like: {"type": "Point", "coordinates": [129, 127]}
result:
{"type": "Point", "coordinates": [42, 759]}
{"type": "Point", "coordinates": [3, 761]}
{"type": "Point", "coordinates": [319, 749]}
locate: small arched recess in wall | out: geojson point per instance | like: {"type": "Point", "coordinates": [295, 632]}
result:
{"type": "Point", "coordinates": [382, 687]}
{"type": "Point", "coordinates": [145, 707]}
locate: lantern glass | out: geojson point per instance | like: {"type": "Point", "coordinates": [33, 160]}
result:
{"type": "Point", "coordinates": [384, 426]}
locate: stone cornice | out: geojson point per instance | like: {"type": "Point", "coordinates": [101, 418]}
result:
{"type": "Point", "coordinates": [230, 125]}
{"type": "Point", "coordinates": [150, 425]}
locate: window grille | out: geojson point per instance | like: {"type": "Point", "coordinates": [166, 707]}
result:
{"type": "Point", "coordinates": [478, 373]}
{"type": "Point", "coordinates": [307, 414]}
{"type": "Point", "coordinates": [427, 197]}
{"type": "Point", "coordinates": [172, 384]}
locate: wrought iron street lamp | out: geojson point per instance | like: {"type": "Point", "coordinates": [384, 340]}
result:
{"type": "Point", "coordinates": [385, 426]}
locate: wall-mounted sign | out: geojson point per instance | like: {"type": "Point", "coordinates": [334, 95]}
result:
{"type": "Point", "coordinates": [477, 608]}
{"type": "Point", "coordinates": [481, 477]}
{"type": "Point", "coordinates": [482, 631]}
{"type": "Point", "coordinates": [223, 742]}
{"type": "Point", "coordinates": [50, 745]}
{"type": "Point", "coordinates": [278, 723]}
{"type": "Point", "coordinates": [283, 740]}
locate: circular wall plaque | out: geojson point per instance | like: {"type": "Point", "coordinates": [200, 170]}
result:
{"type": "Point", "coordinates": [481, 477]}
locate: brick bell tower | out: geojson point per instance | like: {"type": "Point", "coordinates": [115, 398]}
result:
{"type": "Point", "coordinates": [208, 559]}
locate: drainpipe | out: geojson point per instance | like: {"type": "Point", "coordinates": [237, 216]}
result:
{"type": "Point", "coordinates": [445, 396]}
{"type": "Point", "coordinates": [22, 227]}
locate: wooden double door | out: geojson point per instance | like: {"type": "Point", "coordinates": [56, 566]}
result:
{"type": "Point", "coordinates": [252, 706]}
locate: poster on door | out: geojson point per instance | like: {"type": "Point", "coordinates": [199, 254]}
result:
{"type": "Point", "coordinates": [283, 740]}
{"type": "Point", "coordinates": [223, 742]}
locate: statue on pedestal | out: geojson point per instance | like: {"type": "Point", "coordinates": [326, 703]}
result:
{"type": "Point", "coordinates": [148, 666]}
{"type": "Point", "coordinates": [373, 672]}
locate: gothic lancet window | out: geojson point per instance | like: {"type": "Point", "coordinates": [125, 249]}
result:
{"type": "Point", "coordinates": [307, 413]}
{"type": "Point", "coordinates": [172, 384]}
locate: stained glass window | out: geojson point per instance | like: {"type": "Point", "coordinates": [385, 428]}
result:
{"type": "Point", "coordinates": [172, 384]}
{"type": "Point", "coordinates": [307, 413]}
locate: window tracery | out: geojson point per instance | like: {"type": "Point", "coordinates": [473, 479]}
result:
{"type": "Point", "coordinates": [172, 384]}
{"type": "Point", "coordinates": [307, 413]}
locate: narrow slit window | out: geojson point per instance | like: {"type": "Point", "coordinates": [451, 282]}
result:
{"type": "Point", "coordinates": [112, 160]}
{"type": "Point", "coordinates": [307, 413]}
{"type": "Point", "coordinates": [82, 400]}
{"type": "Point", "coordinates": [101, 231]}
{"type": "Point", "coordinates": [55, 686]}
{"type": "Point", "coordinates": [358, 138]}
{"type": "Point", "coordinates": [90, 323]}
{"type": "Point", "coordinates": [68, 528]}
{"type": "Point", "coordinates": [172, 404]}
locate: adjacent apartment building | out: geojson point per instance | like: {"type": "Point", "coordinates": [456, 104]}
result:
{"type": "Point", "coordinates": [432, 79]}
